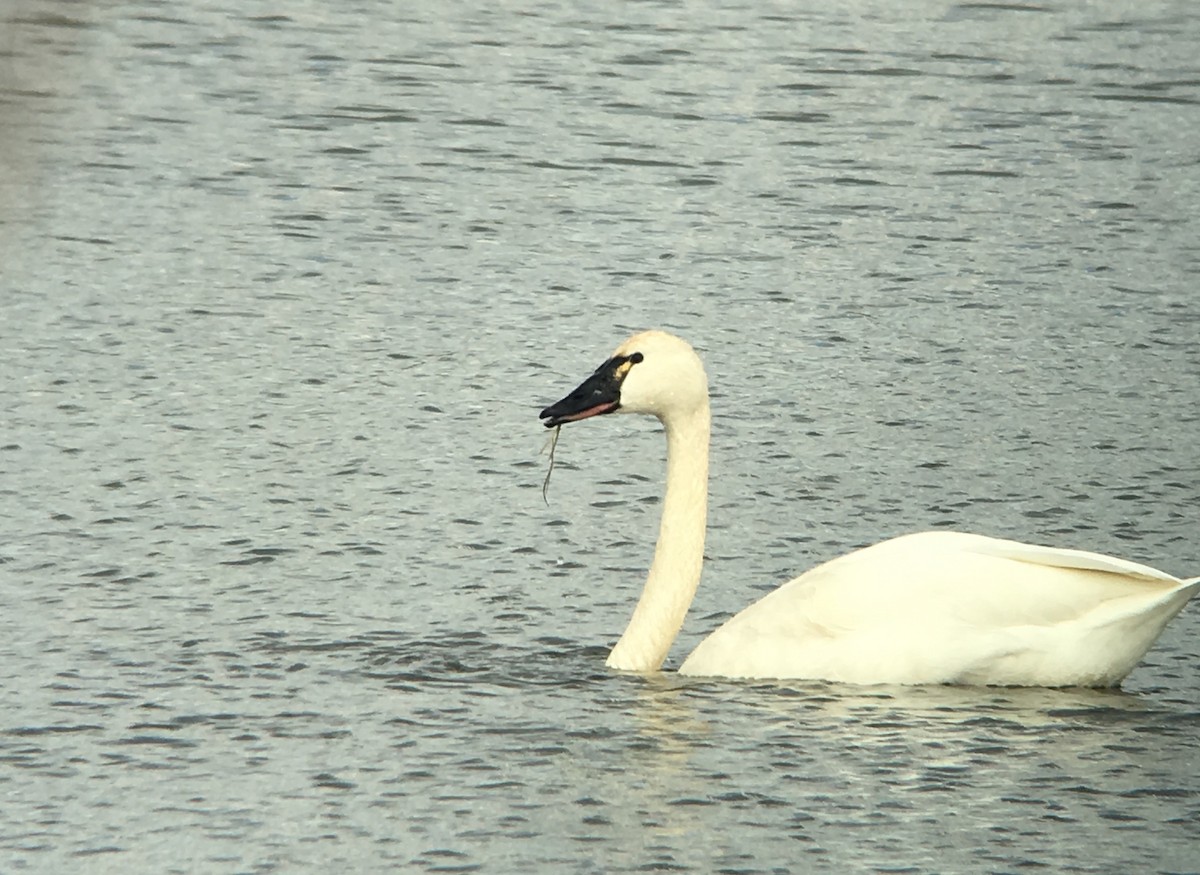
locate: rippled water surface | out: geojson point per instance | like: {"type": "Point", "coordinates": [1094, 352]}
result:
{"type": "Point", "coordinates": [283, 291]}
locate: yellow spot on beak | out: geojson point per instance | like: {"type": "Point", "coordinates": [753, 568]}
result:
{"type": "Point", "coordinates": [622, 370]}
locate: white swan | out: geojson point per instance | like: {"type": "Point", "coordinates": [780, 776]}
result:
{"type": "Point", "coordinates": [935, 607]}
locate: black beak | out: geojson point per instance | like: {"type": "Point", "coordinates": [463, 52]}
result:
{"type": "Point", "coordinates": [598, 394]}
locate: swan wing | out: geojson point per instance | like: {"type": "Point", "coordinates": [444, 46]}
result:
{"type": "Point", "coordinates": [937, 607]}
{"type": "Point", "coordinates": [1058, 557]}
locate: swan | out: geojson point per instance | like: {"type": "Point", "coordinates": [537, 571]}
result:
{"type": "Point", "coordinates": [926, 608]}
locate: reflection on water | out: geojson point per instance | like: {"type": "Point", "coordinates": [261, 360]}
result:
{"type": "Point", "coordinates": [902, 765]}
{"type": "Point", "coordinates": [282, 296]}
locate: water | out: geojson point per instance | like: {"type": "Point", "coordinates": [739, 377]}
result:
{"type": "Point", "coordinates": [284, 290]}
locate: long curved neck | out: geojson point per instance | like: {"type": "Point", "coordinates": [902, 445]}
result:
{"type": "Point", "coordinates": [679, 555]}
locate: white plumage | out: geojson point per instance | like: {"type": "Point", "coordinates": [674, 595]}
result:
{"type": "Point", "coordinates": [933, 607]}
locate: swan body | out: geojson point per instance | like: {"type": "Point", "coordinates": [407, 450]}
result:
{"type": "Point", "coordinates": [931, 607]}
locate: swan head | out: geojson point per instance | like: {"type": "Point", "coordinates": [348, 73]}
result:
{"type": "Point", "coordinates": [653, 373]}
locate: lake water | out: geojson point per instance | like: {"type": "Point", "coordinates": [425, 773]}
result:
{"type": "Point", "coordinates": [283, 291]}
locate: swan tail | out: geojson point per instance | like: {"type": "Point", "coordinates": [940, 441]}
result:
{"type": "Point", "coordinates": [1124, 630]}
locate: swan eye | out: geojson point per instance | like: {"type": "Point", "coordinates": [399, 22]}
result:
{"type": "Point", "coordinates": [618, 366]}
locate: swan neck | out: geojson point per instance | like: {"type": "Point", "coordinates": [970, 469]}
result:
{"type": "Point", "coordinates": [679, 554]}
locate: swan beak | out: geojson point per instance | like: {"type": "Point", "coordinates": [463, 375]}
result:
{"type": "Point", "coordinates": [598, 394]}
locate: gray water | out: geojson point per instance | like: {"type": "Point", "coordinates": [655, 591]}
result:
{"type": "Point", "coordinates": [284, 288]}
